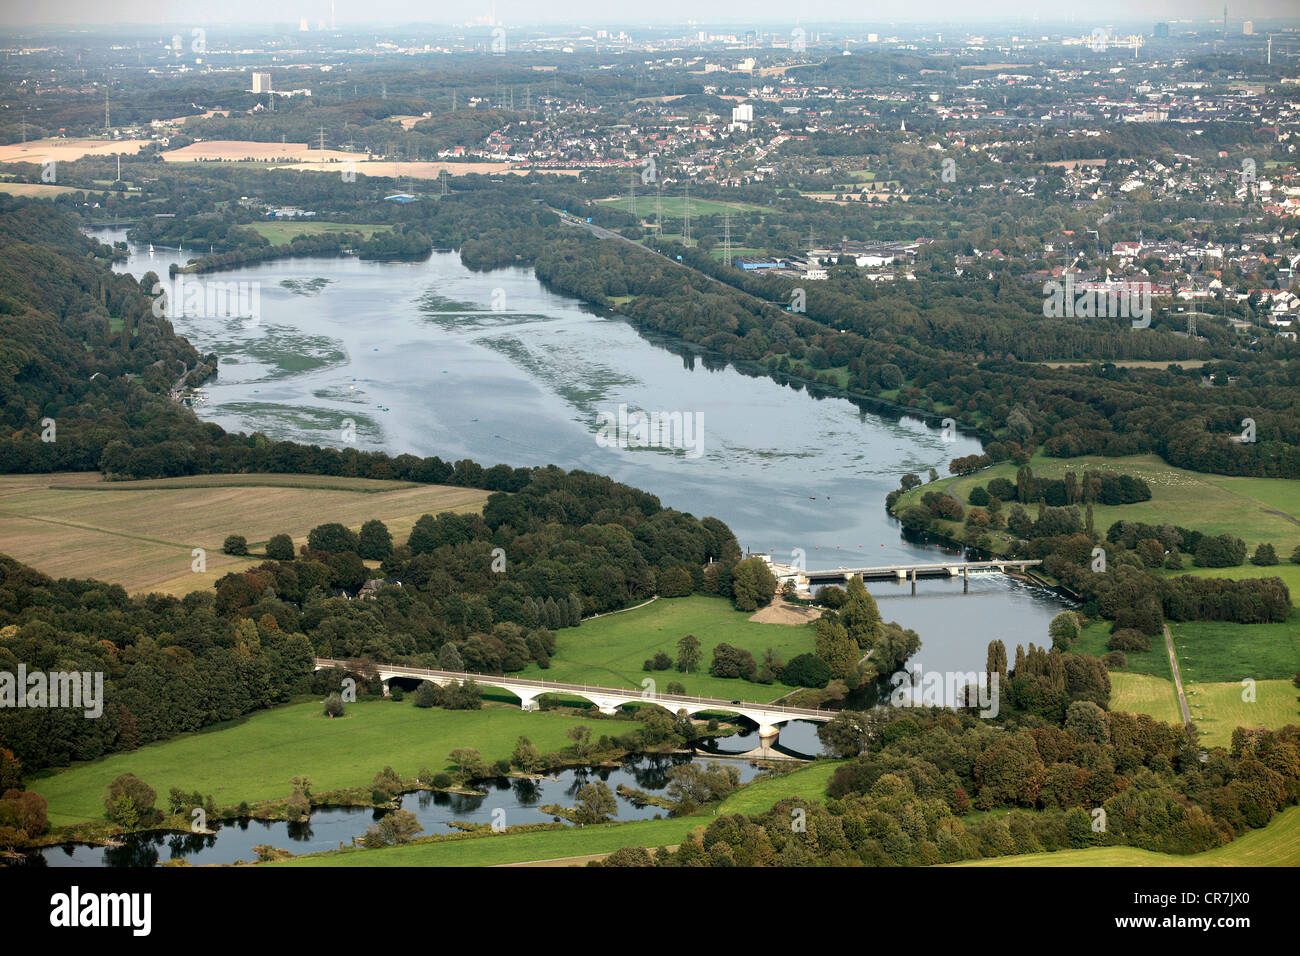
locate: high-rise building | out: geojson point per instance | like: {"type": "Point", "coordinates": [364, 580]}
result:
{"type": "Point", "coordinates": [261, 82]}
{"type": "Point", "coordinates": [744, 113]}
{"type": "Point", "coordinates": [1248, 28]}
{"type": "Point", "coordinates": [1161, 31]}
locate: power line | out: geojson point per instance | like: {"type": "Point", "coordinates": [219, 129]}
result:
{"type": "Point", "coordinates": [686, 217]}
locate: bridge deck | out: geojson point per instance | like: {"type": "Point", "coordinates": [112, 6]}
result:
{"type": "Point", "coordinates": [555, 687]}
{"type": "Point", "coordinates": [942, 567]}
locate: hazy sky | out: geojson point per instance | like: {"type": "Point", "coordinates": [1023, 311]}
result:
{"type": "Point", "coordinates": [603, 12]}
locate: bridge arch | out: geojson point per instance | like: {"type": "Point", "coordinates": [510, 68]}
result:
{"type": "Point", "coordinates": [607, 700]}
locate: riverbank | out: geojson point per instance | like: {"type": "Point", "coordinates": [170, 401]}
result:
{"type": "Point", "coordinates": [807, 783]}
{"type": "Point", "coordinates": [255, 760]}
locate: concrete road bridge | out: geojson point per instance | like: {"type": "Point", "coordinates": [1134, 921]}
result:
{"type": "Point", "coordinates": [607, 699]}
{"type": "Point", "coordinates": [904, 572]}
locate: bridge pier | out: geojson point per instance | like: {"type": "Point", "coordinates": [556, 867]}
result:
{"type": "Point", "coordinates": [914, 582]}
{"type": "Point", "coordinates": [767, 737]}
{"type": "Point", "coordinates": [607, 705]}
{"type": "Point", "coordinates": [384, 684]}
{"type": "Point", "coordinates": [965, 580]}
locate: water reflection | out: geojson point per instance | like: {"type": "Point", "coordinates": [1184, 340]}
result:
{"type": "Point", "coordinates": [328, 828]}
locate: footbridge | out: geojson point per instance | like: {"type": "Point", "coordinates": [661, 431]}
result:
{"type": "Point", "coordinates": [607, 699]}
{"type": "Point", "coordinates": [904, 572]}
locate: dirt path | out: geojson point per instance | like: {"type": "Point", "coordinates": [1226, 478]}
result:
{"type": "Point", "coordinates": [623, 610]}
{"type": "Point", "coordinates": [1178, 678]}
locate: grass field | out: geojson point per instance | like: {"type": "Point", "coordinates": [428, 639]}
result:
{"type": "Point", "coordinates": [1218, 709]}
{"type": "Point", "coordinates": [1214, 651]}
{"type": "Point", "coordinates": [305, 156]}
{"type": "Point", "coordinates": [140, 533]}
{"type": "Point", "coordinates": [237, 149]}
{"type": "Point", "coordinates": [807, 782]}
{"type": "Point", "coordinates": [1154, 662]}
{"type": "Point", "coordinates": [1214, 657]}
{"type": "Point", "coordinates": [674, 207]}
{"type": "Point", "coordinates": [37, 190]}
{"type": "Point", "coordinates": [280, 233]}
{"type": "Point", "coordinates": [403, 169]}
{"type": "Point", "coordinates": [610, 650]}
{"type": "Point", "coordinates": [63, 150]}
{"type": "Point", "coordinates": [1277, 844]}
{"type": "Point", "coordinates": [257, 758]}
{"type": "Point", "coordinates": [1253, 509]}
{"type": "Point", "coordinates": [515, 847]}
{"type": "Point", "coordinates": [1144, 694]}
{"type": "Point", "coordinates": [717, 252]}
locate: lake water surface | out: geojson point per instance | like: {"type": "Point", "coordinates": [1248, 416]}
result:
{"type": "Point", "coordinates": [434, 359]}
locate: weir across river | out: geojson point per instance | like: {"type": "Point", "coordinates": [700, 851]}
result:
{"type": "Point", "coordinates": [899, 572]}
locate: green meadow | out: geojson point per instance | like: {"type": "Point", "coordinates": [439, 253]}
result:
{"type": "Point", "coordinates": [1144, 694]}
{"type": "Point", "coordinates": [1154, 662]}
{"type": "Point", "coordinates": [610, 651]}
{"type": "Point", "coordinates": [256, 759]}
{"type": "Point", "coordinates": [1213, 657]}
{"type": "Point", "coordinates": [282, 233]}
{"type": "Point", "coordinates": [674, 207]}
{"type": "Point", "coordinates": [1218, 709]}
{"type": "Point", "coordinates": [1218, 651]}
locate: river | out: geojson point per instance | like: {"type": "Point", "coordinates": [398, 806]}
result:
{"type": "Point", "coordinates": [503, 801]}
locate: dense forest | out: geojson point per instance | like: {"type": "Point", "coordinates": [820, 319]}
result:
{"type": "Point", "coordinates": [572, 544]}
{"type": "Point", "coordinates": [1092, 779]}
